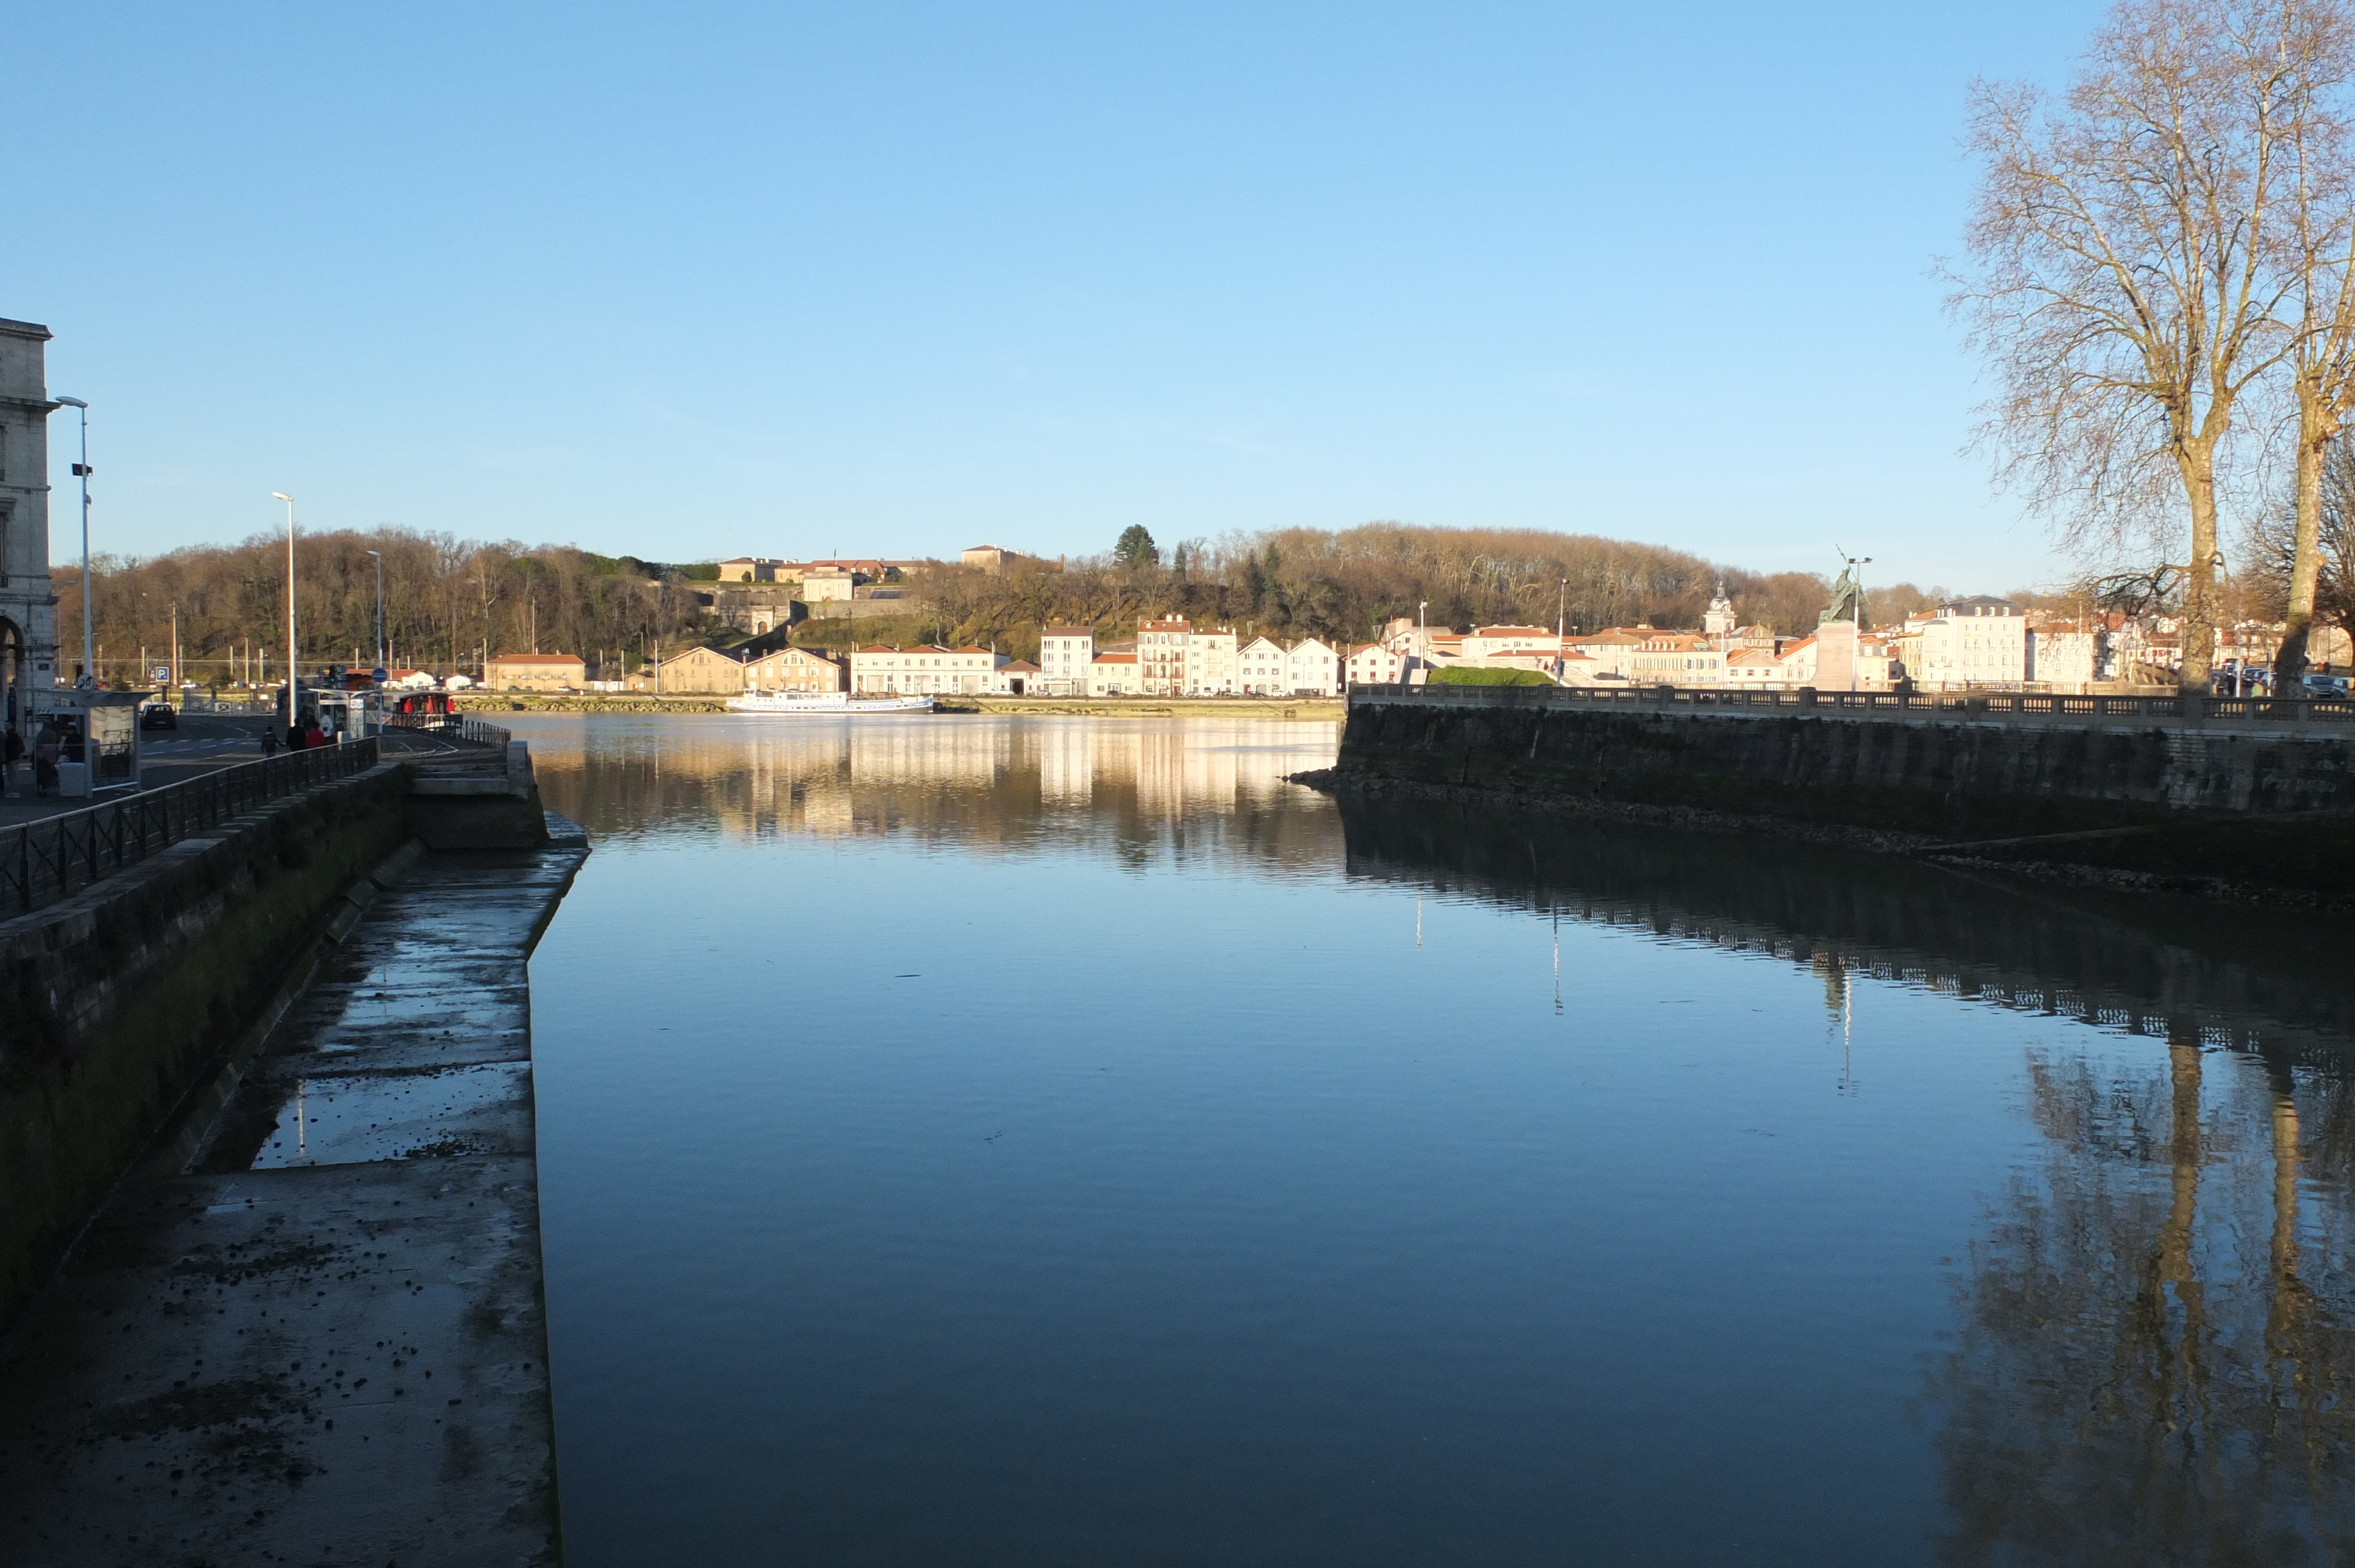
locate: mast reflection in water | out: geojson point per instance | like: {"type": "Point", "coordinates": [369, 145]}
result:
{"type": "Point", "coordinates": [991, 1141]}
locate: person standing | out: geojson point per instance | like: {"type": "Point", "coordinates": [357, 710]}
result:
{"type": "Point", "coordinates": [11, 748]}
{"type": "Point", "coordinates": [270, 738]}
{"type": "Point", "coordinates": [46, 749]}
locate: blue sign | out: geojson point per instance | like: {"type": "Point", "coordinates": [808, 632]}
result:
{"type": "Point", "coordinates": [380, 675]}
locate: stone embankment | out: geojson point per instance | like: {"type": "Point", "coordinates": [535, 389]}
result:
{"type": "Point", "coordinates": [2210, 806]}
{"type": "Point", "coordinates": [286, 1064]}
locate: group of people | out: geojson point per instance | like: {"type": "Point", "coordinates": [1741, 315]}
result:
{"type": "Point", "coordinates": [299, 737]}
{"type": "Point", "coordinates": [48, 750]}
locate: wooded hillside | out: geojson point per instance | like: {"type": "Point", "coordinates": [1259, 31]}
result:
{"type": "Point", "coordinates": [446, 600]}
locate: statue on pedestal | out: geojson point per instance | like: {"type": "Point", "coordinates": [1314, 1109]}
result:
{"type": "Point", "coordinates": [1844, 605]}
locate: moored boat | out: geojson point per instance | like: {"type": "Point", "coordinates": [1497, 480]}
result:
{"type": "Point", "coordinates": [820, 703]}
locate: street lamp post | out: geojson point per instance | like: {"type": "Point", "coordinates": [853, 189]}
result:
{"type": "Point", "coordinates": [380, 607]}
{"type": "Point", "coordinates": [1561, 627]}
{"type": "Point", "coordinates": [1422, 642]}
{"type": "Point", "coordinates": [81, 471]}
{"type": "Point", "coordinates": [293, 659]}
{"type": "Point", "coordinates": [2239, 653]}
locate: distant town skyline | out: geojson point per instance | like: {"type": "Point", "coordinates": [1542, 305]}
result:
{"type": "Point", "coordinates": [913, 278]}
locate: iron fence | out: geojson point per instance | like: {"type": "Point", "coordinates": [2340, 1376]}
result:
{"type": "Point", "coordinates": [42, 862]}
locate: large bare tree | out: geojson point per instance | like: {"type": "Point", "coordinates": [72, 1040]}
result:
{"type": "Point", "coordinates": [2121, 292]}
{"type": "Point", "coordinates": [2316, 240]}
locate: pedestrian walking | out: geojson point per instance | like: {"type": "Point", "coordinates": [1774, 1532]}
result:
{"type": "Point", "coordinates": [315, 736]}
{"type": "Point", "coordinates": [46, 749]}
{"type": "Point", "coordinates": [270, 739]}
{"type": "Point", "coordinates": [11, 750]}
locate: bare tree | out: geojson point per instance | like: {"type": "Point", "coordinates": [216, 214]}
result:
{"type": "Point", "coordinates": [2317, 258]}
{"type": "Point", "coordinates": [2122, 294]}
{"type": "Point", "coordinates": [2330, 547]}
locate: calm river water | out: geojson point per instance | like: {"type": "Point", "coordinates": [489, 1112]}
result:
{"type": "Point", "coordinates": [973, 1140]}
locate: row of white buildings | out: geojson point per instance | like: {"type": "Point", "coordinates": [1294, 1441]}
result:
{"type": "Point", "coordinates": [1977, 642]}
{"type": "Point", "coordinates": [1174, 658]}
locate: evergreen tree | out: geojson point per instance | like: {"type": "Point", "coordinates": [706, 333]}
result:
{"type": "Point", "coordinates": [1136, 548]}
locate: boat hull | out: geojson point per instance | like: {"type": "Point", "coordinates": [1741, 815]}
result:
{"type": "Point", "coordinates": [824, 705]}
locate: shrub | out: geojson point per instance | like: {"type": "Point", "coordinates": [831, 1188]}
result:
{"type": "Point", "coordinates": [1475, 676]}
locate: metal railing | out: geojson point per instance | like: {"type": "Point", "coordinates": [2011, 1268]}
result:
{"type": "Point", "coordinates": [452, 727]}
{"type": "Point", "coordinates": [42, 862]}
{"type": "Point", "coordinates": [2170, 709]}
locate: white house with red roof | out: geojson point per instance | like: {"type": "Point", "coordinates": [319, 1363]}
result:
{"type": "Point", "coordinates": [1483, 640]}
{"type": "Point", "coordinates": [1114, 673]}
{"type": "Point", "coordinates": [1374, 664]}
{"type": "Point", "coordinates": [1015, 678]}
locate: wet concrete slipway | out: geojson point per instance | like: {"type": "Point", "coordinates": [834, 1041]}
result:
{"type": "Point", "coordinates": [312, 1331]}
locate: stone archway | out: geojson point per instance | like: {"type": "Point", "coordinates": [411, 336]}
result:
{"type": "Point", "coordinates": [11, 674]}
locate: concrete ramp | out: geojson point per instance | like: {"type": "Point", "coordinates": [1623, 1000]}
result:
{"type": "Point", "coordinates": [315, 1334]}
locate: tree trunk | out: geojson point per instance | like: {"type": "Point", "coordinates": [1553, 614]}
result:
{"type": "Point", "coordinates": [2177, 1275]}
{"type": "Point", "coordinates": [2314, 429]}
{"type": "Point", "coordinates": [2197, 460]}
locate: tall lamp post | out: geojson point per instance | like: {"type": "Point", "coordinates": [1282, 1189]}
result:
{"type": "Point", "coordinates": [380, 607]}
{"type": "Point", "coordinates": [2240, 653]}
{"type": "Point", "coordinates": [1423, 642]}
{"type": "Point", "coordinates": [294, 661]}
{"type": "Point", "coordinates": [81, 471]}
{"type": "Point", "coordinates": [1561, 627]}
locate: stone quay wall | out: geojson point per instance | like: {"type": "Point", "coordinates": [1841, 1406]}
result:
{"type": "Point", "coordinates": [116, 1003]}
{"type": "Point", "coordinates": [1951, 773]}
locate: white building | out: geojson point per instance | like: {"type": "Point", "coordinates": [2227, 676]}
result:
{"type": "Point", "coordinates": [2063, 656]}
{"type": "Point", "coordinates": [1115, 676]}
{"type": "Point", "coordinates": [927, 671]}
{"type": "Point", "coordinates": [28, 624]}
{"type": "Point", "coordinates": [1211, 654]}
{"type": "Point", "coordinates": [1754, 670]}
{"type": "Point", "coordinates": [1161, 656]}
{"type": "Point", "coordinates": [1614, 648]}
{"type": "Point", "coordinates": [1064, 654]}
{"type": "Point", "coordinates": [1676, 659]}
{"type": "Point", "coordinates": [1312, 669]}
{"type": "Point", "coordinates": [1976, 641]}
{"type": "Point", "coordinates": [1482, 642]}
{"type": "Point", "coordinates": [1015, 678]}
{"type": "Point", "coordinates": [1260, 668]}
{"type": "Point", "coordinates": [1372, 664]}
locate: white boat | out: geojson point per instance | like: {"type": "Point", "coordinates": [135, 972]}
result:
{"type": "Point", "coordinates": [819, 703]}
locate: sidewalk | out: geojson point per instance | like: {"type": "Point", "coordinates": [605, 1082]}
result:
{"type": "Point", "coordinates": [174, 758]}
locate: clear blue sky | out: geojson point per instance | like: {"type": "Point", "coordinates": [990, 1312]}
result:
{"type": "Point", "coordinates": [693, 280]}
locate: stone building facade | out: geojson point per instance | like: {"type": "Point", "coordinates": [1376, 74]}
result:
{"type": "Point", "coordinates": [28, 616]}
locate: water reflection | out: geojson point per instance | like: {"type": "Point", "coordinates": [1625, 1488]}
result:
{"type": "Point", "coordinates": [2153, 1359]}
{"type": "Point", "coordinates": [1137, 787]}
{"type": "Point", "coordinates": [1312, 1203]}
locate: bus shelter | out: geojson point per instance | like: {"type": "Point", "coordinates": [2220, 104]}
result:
{"type": "Point", "coordinates": [98, 737]}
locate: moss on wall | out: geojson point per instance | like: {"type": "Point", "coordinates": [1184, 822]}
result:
{"type": "Point", "coordinates": [115, 1004]}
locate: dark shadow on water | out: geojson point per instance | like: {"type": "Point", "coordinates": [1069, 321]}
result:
{"type": "Point", "coordinates": [2152, 1360]}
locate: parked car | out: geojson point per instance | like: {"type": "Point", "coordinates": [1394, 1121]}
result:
{"type": "Point", "coordinates": [2325, 687]}
{"type": "Point", "coordinates": [159, 715]}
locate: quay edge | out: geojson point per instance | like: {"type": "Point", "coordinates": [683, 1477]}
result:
{"type": "Point", "coordinates": [2193, 802]}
